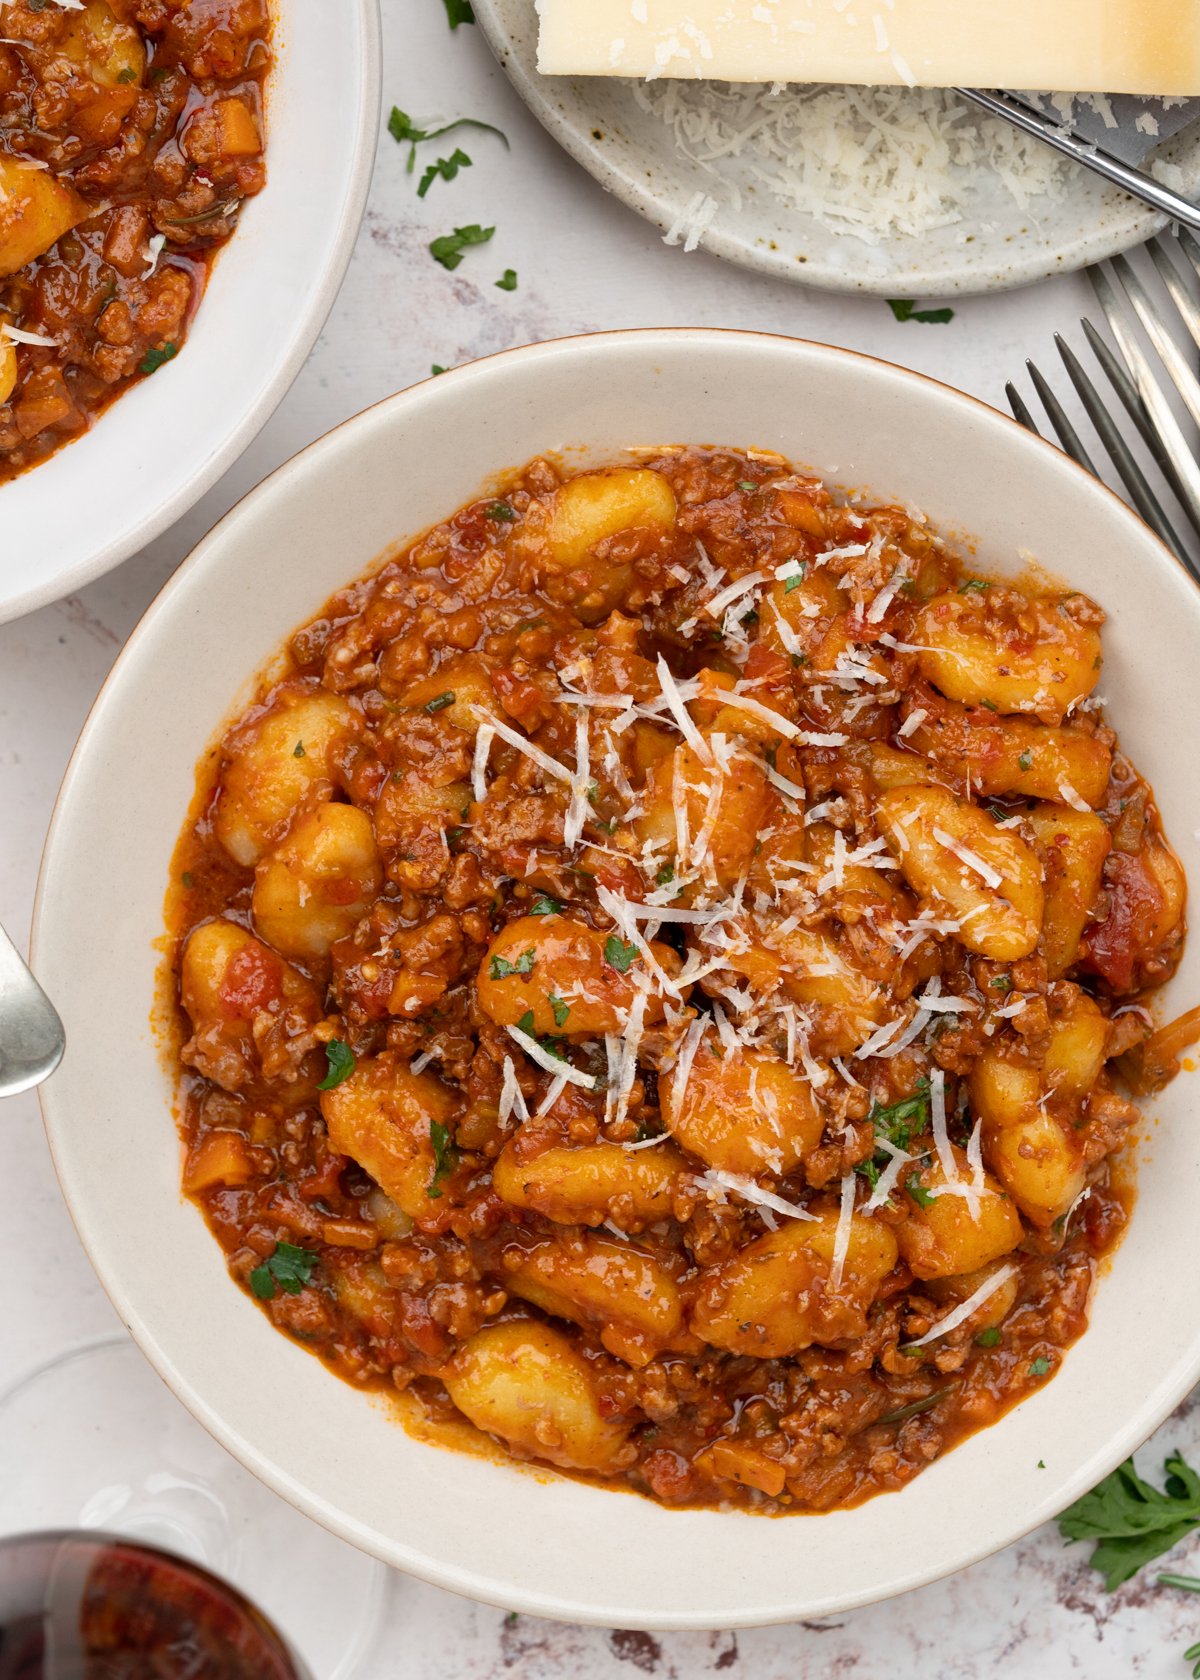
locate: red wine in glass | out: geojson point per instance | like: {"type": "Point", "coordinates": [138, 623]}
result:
{"type": "Point", "coordinates": [80, 1605]}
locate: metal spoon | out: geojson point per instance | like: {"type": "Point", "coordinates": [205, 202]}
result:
{"type": "Point", "coordinates": [32, 1039]}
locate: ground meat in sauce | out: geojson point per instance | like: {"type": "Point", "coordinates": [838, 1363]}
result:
{"type": "Point", "coordinates": [660, 943]}
{"type": "Point", "coordinates": [131, 134]}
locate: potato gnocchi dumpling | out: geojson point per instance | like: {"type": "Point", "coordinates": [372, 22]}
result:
{"type": "Point", "coordinates": [660, 969]}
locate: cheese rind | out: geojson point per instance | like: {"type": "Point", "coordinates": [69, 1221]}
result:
{"type": "Point", "coordinates": [1119, 46]}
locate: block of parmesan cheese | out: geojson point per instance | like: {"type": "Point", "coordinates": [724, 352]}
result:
{"type": "Point", "coordinates": [1117, 46]}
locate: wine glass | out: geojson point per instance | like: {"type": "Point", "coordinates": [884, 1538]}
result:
{"type": "Point", "coordinates": [91, 1606]}
{"type": "Point", "coordinates": [95, 1441]}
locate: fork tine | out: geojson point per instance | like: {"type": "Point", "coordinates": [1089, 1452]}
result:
{"type": "Point", "coordinates": [1067, 435]}
{"type": "Point", "coordinates": [1175, 284]}
{"type": "Point", "coordinates": [1122, 384]}
{"type": "Point", "coordinates": [1170, 354]}
{"type": "Point", "coordinates": [1131, 475]}
{"type": "Point", "coordinates": [1171, 437]}
{"type": "Point", "coordinates": [1190, 248]}
{"type": "Point", "coordinates": [1017, 403]}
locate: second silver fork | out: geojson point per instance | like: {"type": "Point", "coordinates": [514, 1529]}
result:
{"type": "Point", "coordinates": [1126, 302]}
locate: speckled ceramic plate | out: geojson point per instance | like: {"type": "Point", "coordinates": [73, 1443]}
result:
{"type": "Point", "coordinates": [996, 245]}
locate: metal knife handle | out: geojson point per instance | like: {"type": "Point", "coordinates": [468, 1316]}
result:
{"type": "Point", "coordinates": [1124, 175]}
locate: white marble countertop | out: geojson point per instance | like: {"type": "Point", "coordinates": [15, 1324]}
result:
{"type": "Point", "coordinates": [584, 262]}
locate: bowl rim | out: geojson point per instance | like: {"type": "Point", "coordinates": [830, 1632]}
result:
{"type": "Point", "coordinates": [448, 1575]}
{"type": "Point", "coordinates": [305, 330]}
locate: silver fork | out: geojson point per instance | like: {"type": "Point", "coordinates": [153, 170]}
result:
{"type": "Point", "coordinates": [1130, 370]}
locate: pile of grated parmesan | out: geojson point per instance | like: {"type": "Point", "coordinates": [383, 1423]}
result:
{"type": "Point", "coordinates": [873, 162]}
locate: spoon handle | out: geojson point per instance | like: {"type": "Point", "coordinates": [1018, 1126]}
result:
{"type": "Point", "coordinates": [32, 1039]}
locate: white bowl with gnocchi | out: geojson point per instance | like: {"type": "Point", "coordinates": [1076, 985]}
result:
{"type": "Point", "coordinates": [479, 1106]}
{"type": "Point", "coordinates": [170, 208]}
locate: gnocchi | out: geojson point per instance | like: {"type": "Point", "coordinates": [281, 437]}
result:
{"type": "Point", "coordinates": [698, 929]}
{"type": "Point", "coordinates": [956, 856]}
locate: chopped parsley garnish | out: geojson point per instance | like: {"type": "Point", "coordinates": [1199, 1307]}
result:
{"type": "Point", "coordinates": [525, 1024]}
{"type": "Point", "coordinates": [289, 1269]}
{"type": "Point", "coordinates": [918, 1191]}
{"type": "Point", "coordinates": [440, 702]}
{"type": "Point", "coordinates": [895, 1123]}
{"type": "Point", "coordinates": [747, 484]}
{"type": "Point", "coordinates": [405, 131]}
{"type": "Point", "coordinates": [1131, 1521]}
{"type": "Point", "coordinates": [458, 11]}
{"type": "Point", "coordinates": [449, 248]}
{"type": "Point", "coordinates": [444, 169]}
{"type": "Point", "coordinates": [502, 511]}
{"type": "Point", "coordinates": [915, 1408]}
{"type": "Point", "coordinates": [129, 74]}
{"type": "Point", "coordinates": [989, 705]}
{"type": "Point", "coordinates": [154, 359]}
{"type": "Point", "coordinates": [1039, 1367]}
{"type": "Point", "coordinates": [619, 955]}
{"type": "Point", "coordinates": [796, 579]}
{"type": "Point", "coordinates": [892, 1121]}
{"type": "Point", "coordinates": [1026, 760]}
{"type": "Point", "coordinates": [1001, 983]}
{"type": "Point", "coordinates": [298, 750]}
{"type": "Point", "coordinates": [989, 1337]}
{"type": "Point", "coordinates": [500, 968]}
{"type": "Point", "coordinates": [188, 879]}
{"type": "Point", "coordinates": [561, 1009]}
{"type": "Point", "coordinates": [665, 875]}
{"type": "Point", "coordinates": [444, 1157]}
{"type": "Point", "coordinates": [905, 309]}
{"type": "Point", "coordinates": [973, 586]}
{"type": "Point", "coordinates": [340, 1058]}
{"type": "Point", "coordinates": [545, 906]}
{"type": "Point", "coordinates": [507, 281]}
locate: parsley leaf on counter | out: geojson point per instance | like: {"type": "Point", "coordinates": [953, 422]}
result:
{"type": "Point", "coordinates": [341, 1064]}
{"type": "Point", "coordinates": [508, 280]}
{"type": "Point", "coordinates": [448, 249]}
{"type": "Point", "coordinates": [1131, 1521]}
{"type": "Point", "coordinates": [458, 11]}
{"type": "Point", "coordinates": [289, 1268]}
{"type": "Point", "coordinates": [904, 309]}
{"type": "Point", "coordinates": [405, 132]}
{"type": "Point", "coordinates": [445, 169]}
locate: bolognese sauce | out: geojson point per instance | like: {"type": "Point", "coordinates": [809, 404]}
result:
{"type": "Point", "coordinates": [131, 134]}
{"type": "Point", "coordinates": [660, 975]}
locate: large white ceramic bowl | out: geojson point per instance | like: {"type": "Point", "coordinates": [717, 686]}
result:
{"type": "Point", "coordinates": [166, 441]}
{"type": "Point", "coordinates": [540, 1544]}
